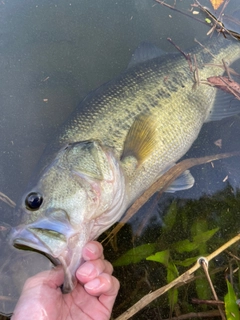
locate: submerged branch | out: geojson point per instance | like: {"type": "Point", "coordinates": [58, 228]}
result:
{"type": "Point", "coordinates": [163, 183]}
{"type": "Point", "coordinates": [207, 302]}
{"type": "Point", "coordinates": [186, 55]}
{"type": "Point", "coordinates": [203, 314]}
{"type": "Point", "coordinates": [181, 280]}
{"type": "Point", "coordinates": [177, 10]}
{"type": "Point", "coordinates": [7, 200]}
{"type": "Point", "coordinates": [204, 263]}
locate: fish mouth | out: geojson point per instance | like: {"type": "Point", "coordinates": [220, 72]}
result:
{"type": "Point", "coordinates": [34, 238]}
{"type": "Point", "coordinates": [25, 239]}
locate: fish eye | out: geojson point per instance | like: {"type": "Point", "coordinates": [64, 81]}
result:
{"type": "Point", "coordinates": [33, 201]}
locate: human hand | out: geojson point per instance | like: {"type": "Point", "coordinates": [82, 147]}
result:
{"type": "Point", "coordinates": [92, 298]}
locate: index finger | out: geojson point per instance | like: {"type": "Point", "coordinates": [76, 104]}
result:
{"type": "Point", "coordinates": [93, 250]}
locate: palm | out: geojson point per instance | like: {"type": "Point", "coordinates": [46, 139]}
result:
{"type": "Point", "coordinates": [75, 305]}
{"type": "Point", "coordinates": [92, 298]}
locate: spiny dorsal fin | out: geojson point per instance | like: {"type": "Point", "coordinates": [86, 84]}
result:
{"type": "Point", "coordinates": [144, 52]}
{"type": "Point", "coordinates": [141, 138]}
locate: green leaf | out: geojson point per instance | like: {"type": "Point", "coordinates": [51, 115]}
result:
{"type": "Point", "coordinates": [161, 256]}
{"type": "Point", "coordinates": [188, 246]}
{"type": "Point", "coordinates": [199, 226]}
{"type": "Point", "coordinates": [205, 236]}
{"type": "Point", "coordinates": [135, 255]}
{"type": "Point", "coordinates": [203, 289]}
{"type": "Point", "coordinates": [231, 307]}
{"type": "Point", "coordinates": [185, 246]}
{"type": "Point", "coordinates": [187, 262]}
{"type": "Point", "coordinates": [170, 217]}
{"type": "Point", "coordinates": [172, 273]}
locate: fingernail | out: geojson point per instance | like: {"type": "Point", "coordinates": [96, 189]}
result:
{"type": "Point", "coordinates": [91, 247]}
{"type": "Point", "coordinates": [86, 270]}
{"type": "Point", "coordinates": [94, 284]}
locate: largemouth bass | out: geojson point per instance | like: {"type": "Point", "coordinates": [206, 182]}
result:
{"type": "Point", "coordinates": [117, 143]}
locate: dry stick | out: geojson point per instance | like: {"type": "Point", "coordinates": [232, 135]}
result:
{"type": "Point", "coordinates": [186, 55]}
{"type": "Point", "coordinates": [233, 255]}
{"type": "Point", "coordinates": [217, 23]}
{"type": "Point", "coordinates": [178, 281]}
{"type": "Point", "coordinates": [7, 200]}
{"type": "Point", "coordinates": [163, 183]}
{"type": "Point", "coordinates": [204, 314]}
{"type": "Point", "coordinates": [211, 16]}
{"type": "Point", "coordinates": [201, 45]}
{"type": "Point", "coordinates": [177, 10]}
{"type": "Point", "coordinates": [227, 70]}
{"type": "Point", "coordinates": [204, 263]}
{"type": "Point", "coordinates": [193, 17]}
{"type": "Point", "coordinates": [222, 10]}
{"type": "Point", "coordinates": [207, 302]}
{"type": "Point", "coordinates": [222, 67]}
{"type": "Point", "coordinates": [196, 73]}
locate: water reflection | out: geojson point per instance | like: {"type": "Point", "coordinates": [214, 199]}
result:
{"type": "Point", "coordinates": [52, 54]}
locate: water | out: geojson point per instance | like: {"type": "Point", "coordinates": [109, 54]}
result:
{"type": "Point", "coordinates": [52, 54]}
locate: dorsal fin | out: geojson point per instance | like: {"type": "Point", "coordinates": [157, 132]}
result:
{"type": "Point", "coordinates": [141, 138]}
{"type": "Point", "coordinates": [144, 52]}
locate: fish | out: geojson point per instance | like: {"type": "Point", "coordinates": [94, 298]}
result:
{"type": "Point", "coordinates": [122, 137]}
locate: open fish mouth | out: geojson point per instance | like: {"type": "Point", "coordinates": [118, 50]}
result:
{"type": "Point", "coordinates": [36, 239]}
{"type": "Point", "coordinates": [24, 239]}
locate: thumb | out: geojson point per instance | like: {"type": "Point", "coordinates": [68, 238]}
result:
{"type": "Point", "coordinates": [52, 278]}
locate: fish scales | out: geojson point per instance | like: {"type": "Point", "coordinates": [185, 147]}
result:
{"type": "Point", "coordinates": [164, 84]}
{"type": "Point", "coordinates": [120, 140]}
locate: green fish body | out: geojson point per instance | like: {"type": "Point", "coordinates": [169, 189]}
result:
{"type": "Point", "coordinates": [118, 142]}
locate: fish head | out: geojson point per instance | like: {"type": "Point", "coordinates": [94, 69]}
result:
{"type": "Point", "coordinates": [79, 195]}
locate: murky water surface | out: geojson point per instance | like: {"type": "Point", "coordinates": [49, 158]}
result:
{"type": "Point", "coordinates": [52, 53]}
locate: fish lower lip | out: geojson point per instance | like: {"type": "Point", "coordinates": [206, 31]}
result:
{"type": "Point", "coordinates": [29, 240]}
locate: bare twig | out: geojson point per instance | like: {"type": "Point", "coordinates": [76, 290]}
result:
{"type": "Point", "coordinates": [180, 280]}
{"type": "Point", "coordinates": [227, 69]}
{"type": "Point", "coordinates": [217, 23]}
{"type": "Point", "coordinates": [231, 71]}
{"type": "Point", "coordinates": [7, 200]}
{"type": "Point", "coordinates": [186, 55]}
{"type": "Point", "coordinates": [233, 255]}
{"type": "Point", "coordinates": [191, 315]}
{"type": "Point", "coordinates": [177, 10]}
{"type": "Point", "coordinates": [207, 302]}
{"type": "Point", "coordinates": [204, 263]}
{"type": "Point", "coordinates": [204, 48]}
{"type": "Point", "coordinates": [196, 73]}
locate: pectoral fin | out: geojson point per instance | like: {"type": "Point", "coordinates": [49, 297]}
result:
{"type": "Point", "coordinates": [183, 182]}
{"type": "Point", "coordinates": [141, 138]}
